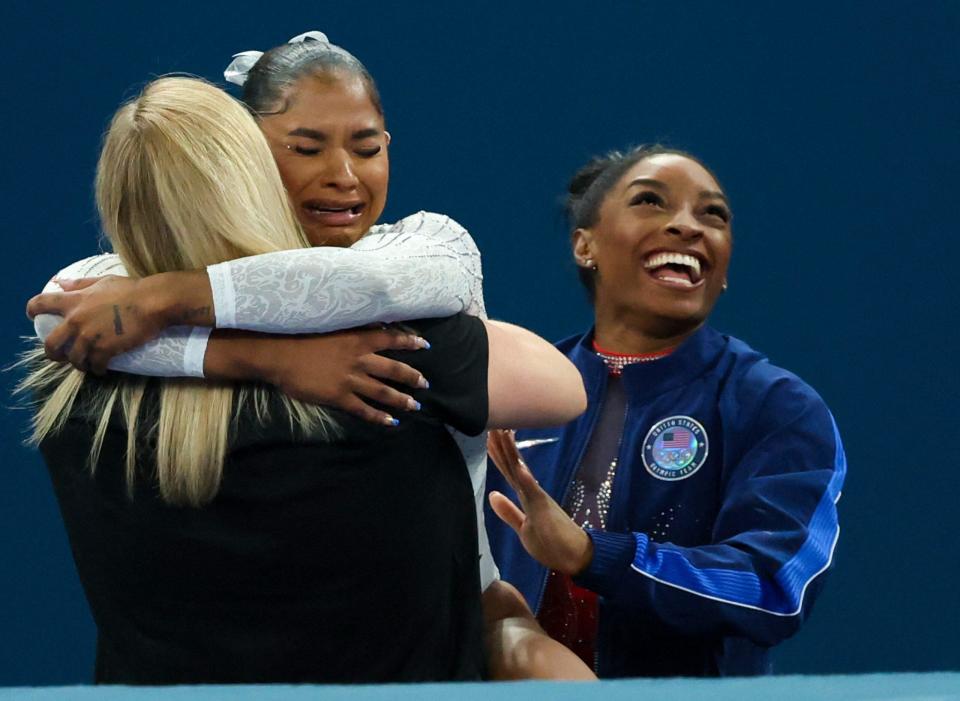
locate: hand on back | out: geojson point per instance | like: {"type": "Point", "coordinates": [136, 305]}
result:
{"type": "Point", "coordinates": [342, 369]}
{"type": "Point", "coordinates": [102, 318]}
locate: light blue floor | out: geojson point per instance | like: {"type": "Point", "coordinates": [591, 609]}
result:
{"type": "Point", "coordinates": [875, 687]}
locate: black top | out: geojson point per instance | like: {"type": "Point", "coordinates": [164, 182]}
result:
{"type": "Point", "coordinates": [350, 561]}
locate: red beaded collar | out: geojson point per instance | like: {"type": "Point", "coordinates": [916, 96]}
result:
{"type": "Point", "coordinates": [616, 362]}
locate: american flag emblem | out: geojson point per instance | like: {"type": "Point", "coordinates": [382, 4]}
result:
{"type": "Point", "coordinates": [675, 448]}
{"type": "Point", "coordinates": [677, 438]}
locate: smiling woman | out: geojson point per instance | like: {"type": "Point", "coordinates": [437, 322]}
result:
{"type": "Point", "coordinates": [672, 281]}
{"type": "Point", "coordinates": [682, 525]}
{"type": "Point", "coordinates": [640, 192]}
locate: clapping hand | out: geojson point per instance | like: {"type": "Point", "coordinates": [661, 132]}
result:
{"type": "Point", "coordinates": [546, 531]}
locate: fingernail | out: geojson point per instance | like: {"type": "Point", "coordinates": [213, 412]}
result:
{"type": "Point", "coordinates": [390, 421]}
{"type": "Point", "coordinates": [422, 383]}
{"type": "Point", "coordinates": [423, 343]}
{"type": "Point", "coordinates": [413, 404]}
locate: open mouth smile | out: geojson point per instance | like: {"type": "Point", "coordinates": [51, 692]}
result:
{"type": "Point", "coordinates": [677, 270]}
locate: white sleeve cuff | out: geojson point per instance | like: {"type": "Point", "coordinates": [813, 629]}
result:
{"type": "Point", "coordinates": [224, 296]}
{"type": "Point", "coordinates": [195, 351]}
{"type": "Point", "coordinates": [44, 324]}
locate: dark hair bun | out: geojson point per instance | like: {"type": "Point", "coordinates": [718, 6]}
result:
{"type": "Point", "coordinates": [585, 177]}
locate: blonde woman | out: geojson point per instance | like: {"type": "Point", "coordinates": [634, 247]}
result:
{"type": "Point", "coordinates": [230, 534]}
{"type": "Point", "coordinates": [321, 113]}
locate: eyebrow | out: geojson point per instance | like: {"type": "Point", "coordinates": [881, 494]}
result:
{"type": "Point", "coordinates": [366, 133]}
{"type": "Point", "coordinates": [320, 136]}
{"type": "Point", "coordinates": [712, 194]}
{"type": "Point", "coordinates": [649, 182]}
{"type": "Point", "coordinates": [652, 182]}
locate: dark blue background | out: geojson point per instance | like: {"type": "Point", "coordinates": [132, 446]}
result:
{"type": "Point", "coordinates": [833, 127]}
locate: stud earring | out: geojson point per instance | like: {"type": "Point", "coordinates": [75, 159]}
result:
{"type": "Point", "coordinates": [724, 288]}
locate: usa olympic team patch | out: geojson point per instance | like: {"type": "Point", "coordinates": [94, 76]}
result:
{"type": "Point", "coordinates": [675, 448]}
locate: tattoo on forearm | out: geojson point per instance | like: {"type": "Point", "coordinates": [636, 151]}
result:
{"type": "Point", "coordinates": [117, 322]}
{"type": "Point", "coordinates": [188, 315]}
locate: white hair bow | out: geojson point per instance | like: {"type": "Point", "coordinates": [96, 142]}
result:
{"type": "Point", "coordinates": [240, 66]}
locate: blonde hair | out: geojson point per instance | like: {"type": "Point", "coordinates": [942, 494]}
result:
{"type": "Point", "coordinates": [185, 179]}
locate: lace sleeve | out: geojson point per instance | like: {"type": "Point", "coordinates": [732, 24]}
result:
{"type": "Point", "coordinates": [426, 265]}
{"type": "Point", "coordinates": [177, 352]}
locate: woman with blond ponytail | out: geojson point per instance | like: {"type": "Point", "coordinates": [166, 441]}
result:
{"type": "Point", "coordinates": [228, 533]}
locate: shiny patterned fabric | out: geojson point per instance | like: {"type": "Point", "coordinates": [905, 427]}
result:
{"type": "Point", "coordinates": [425, 265]}
{"type": "Point", "coordinates": [568, 613]}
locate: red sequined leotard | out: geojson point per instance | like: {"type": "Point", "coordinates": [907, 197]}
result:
{"type": "Point", "coordinates": [568, 612]}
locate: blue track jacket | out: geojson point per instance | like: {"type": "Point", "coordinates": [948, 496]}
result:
{"type": "Point", "coordinates": [723, 517]}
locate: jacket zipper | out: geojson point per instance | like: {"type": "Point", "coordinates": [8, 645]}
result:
{"type": "Point", "coordinates": [615, 489]}
{"type": "Point", "coordinates": [569, 480]}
